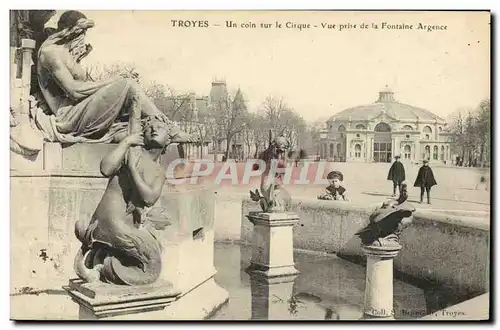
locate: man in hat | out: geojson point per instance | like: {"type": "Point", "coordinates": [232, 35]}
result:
{"type": "Point", "coordinates": [425, 180]}
{"type": "Point", "coordinates": [396, 175]}
{"type": "Point", "coordinates": [335, 191]}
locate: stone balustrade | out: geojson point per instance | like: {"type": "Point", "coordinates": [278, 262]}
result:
{"type": "Point", "coordinates": [447, 249]}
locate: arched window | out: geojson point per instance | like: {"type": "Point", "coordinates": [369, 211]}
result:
{"type": "Point", "coordinates": [331, 150]}
{"type": "Point", "coordinates": [407, 128]}
{"type": "Point", "coordinates": [407, 152]}
{"type": "Point", "coordinates": [427, 129]}
{"type": "Point", "coordinates": [435, 153]}
{"type": "Point", "coordinates": [341, 128]}
{"type": "Point", "coordinates": [360, 126]}
{"type": "Point", "coordinates": [442, 153]}
{"type": "Point", "coordinates": [440, 129]}
{"type": "Point", "coordinates": [427, 153]}
{"type": "Point", "coordinates": [382, 127]}
{"type": "Point", "coordinates": [357, 150]}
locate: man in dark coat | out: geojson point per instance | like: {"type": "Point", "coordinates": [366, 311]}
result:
{"type": "Point", "coordinates": [396, 175]}
{"type": "Point", "coordinates": [425, 180]}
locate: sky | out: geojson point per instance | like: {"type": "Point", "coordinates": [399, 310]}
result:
{"type": "Point", "coordinates": [317, 71]}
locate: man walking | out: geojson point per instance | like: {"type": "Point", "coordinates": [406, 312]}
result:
{"type": "Point", "coordinates": [425, 180]}
{"type": "Point", "coordinates": [396, 175]}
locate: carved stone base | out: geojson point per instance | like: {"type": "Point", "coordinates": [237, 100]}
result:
{"type": "Point", "coordinates": [102, 300]}
{"type": "Point", "coordinates": [159, 301]}
{"type": "Point", "coordinates": [379, 281]}
{"type": "Point", "coordinates": [79, 157]}
{"type": "Point", "coordinates": [272, 251]}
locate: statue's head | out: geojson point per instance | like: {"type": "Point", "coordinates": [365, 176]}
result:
{"type": "Point", "coordinates": [73, 26]}
{"type": "Point", "coordinates": [69, 19]}
{"type": "Point", "coordinates": [157, 132]}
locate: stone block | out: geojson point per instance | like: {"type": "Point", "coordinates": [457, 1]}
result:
{"type": "Point", "coordinates": [272, 244]}
{"type": "Point", "coordinates": [52, 156]}
{"type": "Point", "coordinates": [102, 300]}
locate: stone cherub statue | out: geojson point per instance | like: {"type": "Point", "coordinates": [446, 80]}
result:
{"type": "Point", "coordinates": [272, 196]}
{"type": "Point", "coordinates": [387, 222]}
{"type": "Point", "coordinates": [119, 244]}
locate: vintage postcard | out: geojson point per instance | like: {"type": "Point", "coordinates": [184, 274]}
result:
{"type": "Point", "coordinates": [250, 165]}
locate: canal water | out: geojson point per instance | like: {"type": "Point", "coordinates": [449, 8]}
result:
{"type": "Point", "coordinates": [328, 288]}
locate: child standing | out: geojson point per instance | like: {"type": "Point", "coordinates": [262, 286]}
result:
{"type": "Point", "coordinates": [335, 191]}
{"type": "Point", "coordinates": [425, 180]}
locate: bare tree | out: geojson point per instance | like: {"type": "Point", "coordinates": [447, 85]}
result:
{"type": "Point", "coordinates": [98, 72]}
{"type": "Point", "coordinates": [230, 114]}
{"type": "Point", "coordinates": [471, 133]}
{"type": "Point", "coordinates": [483, 127]}
{"type": "Point", "coordinates": [273, 109]}
{"type": "Point", "coordinates": [260, 131]}
{"type": "Point", "coordinates": [293, 128]}
{"type": "Point", "coordinates": [249, 131]}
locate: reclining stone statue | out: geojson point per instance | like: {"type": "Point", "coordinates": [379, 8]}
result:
{"type": "Point", "coordinates": [119, 243]}
{"type": "Point", "coordinates": [70, 107]}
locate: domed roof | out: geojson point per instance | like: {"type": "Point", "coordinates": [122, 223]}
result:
{"type": "Point", "coordinates": [386, 104]}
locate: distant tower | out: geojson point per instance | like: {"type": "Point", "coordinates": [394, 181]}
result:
{"type": "Point", "coordinates": [193, 106]}
{"type": "Point", "coordinates": [239, 101]}
{"type": "Point", "coordinates": [218, 92]}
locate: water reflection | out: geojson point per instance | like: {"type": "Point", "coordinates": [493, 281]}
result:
{"type": "Point", "coordinates": [328, 288]}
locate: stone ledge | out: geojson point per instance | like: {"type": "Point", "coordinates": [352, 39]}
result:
{"type": "Point", "coordinates": [105, 300]}
{"type": "Point", "coordinates": [465, 222]}
{"type": "Point", "coordinates": [272, 275]}
{"type": "Point", "coordinates": [273, 219]}
{"type": "Point", "coordinates": [82, 158]}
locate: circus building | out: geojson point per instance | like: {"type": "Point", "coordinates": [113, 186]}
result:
{"type": "Point", "coordinates": [379, 131]}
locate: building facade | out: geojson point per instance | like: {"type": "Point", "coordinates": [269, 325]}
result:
{"type": "Point", "coordinates": [379, 131]}
{"type": "Point", "coordinates": [195, 116]}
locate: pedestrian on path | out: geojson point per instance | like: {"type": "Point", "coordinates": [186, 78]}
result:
{"type": "Point", "coordinates": [425, 180]}
{"type": "Point", "coordinates": [396, 175]}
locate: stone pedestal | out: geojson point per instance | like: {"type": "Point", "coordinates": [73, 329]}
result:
{"type": "Point", "coordinates": [272, 299]}
{"type": "Point", "coordinates": [379, 282]}
{"type": "Point", "coordinates": [62, 186]}
{"type": "Point", "coordinates": [154, 302]}
{"type": "Point", "coordinates": [187, 263]}
{"type": "Point", "coordinates": [102, 300]}
{"type": "Point", "coordinates": [272, 246]}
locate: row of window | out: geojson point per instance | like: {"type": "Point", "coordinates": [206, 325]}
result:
{"type": "Point", "coordinates": [382, 151]}
{"type": "Point", "coordinates": [383, 127]}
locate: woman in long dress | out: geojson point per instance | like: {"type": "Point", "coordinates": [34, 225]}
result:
{"type": "Point", "coordinates": [82, 110]}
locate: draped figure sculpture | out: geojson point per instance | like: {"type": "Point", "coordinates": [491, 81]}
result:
{"type": "Point", "coordinates": [76, 108]}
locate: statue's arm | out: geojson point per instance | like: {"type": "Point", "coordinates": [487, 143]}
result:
{"type": "Point", "coordinates": [113, 161]}
{"type": "Point", "coordinates": [148, 193]}
{"type": "Point", "coordinates": [75, 89]}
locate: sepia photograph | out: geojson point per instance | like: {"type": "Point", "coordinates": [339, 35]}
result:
{"type": "Point", "coordinates": [302, 165]}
